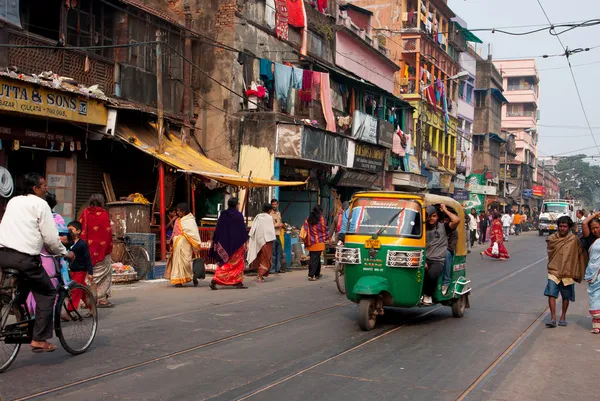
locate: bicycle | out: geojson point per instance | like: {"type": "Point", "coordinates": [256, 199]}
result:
{"type": "Point", "coordinates": [75, 328]}
{"type": "Point", "coordinates": [135, 256]}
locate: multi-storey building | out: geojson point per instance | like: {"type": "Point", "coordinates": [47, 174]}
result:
{"type": "Point", "coordinates": [520, 116]}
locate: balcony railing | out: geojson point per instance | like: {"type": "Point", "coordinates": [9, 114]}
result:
{"type": "Point", "coordinates": [69, 63]}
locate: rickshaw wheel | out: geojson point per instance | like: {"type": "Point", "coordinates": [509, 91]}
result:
{"type": "Point", "coordinates": [459, 305]}
{"type": "Point", "coordinates": [366, 314]}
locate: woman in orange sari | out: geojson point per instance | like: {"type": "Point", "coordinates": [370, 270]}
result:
{"type": "Point", "coordinates": [496, 236]}
{"type": "Point", "coordinates": [229, 247]}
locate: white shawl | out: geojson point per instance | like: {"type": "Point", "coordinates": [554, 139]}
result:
{"type": "Point", "coordinates": [262, 231]}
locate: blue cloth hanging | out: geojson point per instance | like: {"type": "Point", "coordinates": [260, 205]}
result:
{"type": "Point", "coordinates": [297, 78]}
{"type": "Point", "coordinates": [265, 70]}
{"type": "Point", "coordinates": [283, 79]}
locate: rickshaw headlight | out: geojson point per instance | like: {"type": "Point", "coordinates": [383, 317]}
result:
{"type": "Point", "coordinates": [408, 259]}
{"type": "Point", "coordinates": [348, 256]}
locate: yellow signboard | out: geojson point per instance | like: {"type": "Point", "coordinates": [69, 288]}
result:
{"type": "Point", "coordinates": [23, 97]}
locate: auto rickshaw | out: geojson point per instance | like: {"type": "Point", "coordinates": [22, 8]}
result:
{"type": "Point", "coordinates": [384, 254]}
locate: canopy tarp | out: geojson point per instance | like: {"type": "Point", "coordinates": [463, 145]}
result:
{"type": "Point", "coordinates": [469, 36]}
{"type": "Point", "coordinates": [188, 159]}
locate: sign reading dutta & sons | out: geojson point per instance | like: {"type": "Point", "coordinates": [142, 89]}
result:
{"type": "Point", "coordinates": [23, 97]}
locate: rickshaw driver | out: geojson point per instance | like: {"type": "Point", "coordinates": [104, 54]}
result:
{"type": "Point", "coordinates": [437, 247]}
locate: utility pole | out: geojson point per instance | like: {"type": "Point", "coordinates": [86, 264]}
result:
{"type": "Point", "coordinates": [159, 94]}
{"type": "Point", "coordinates": [187, 76]}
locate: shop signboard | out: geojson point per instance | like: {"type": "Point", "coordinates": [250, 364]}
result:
{"type": "Point", "coordinates": [385, 134]}
{"type": "Point", "coordinates": [459, 182]}
{"type": "Point", "coordinates": [539, 191]}
{"type": "Point", "coordinates": [475, 201]}
{"type": "Point", "coordinates": [10, 131]}
{"type": "Point", "coordinates": [434, 180]}
{"type": "Point", "coordinates": [527, 193]}
{"type": "Point", "coordinates": [364, 127]}
{"type": "Point", "coordinates": [461, 195]}
{"type": "Point", "coordinates": [359, 179]}
{"type": "Point", "coordinates": [369, 158]}
{"type": "Point", "coordinates": [476, 184]}
{"type": "Point", "coordinates": [23, 97]}
{"type": "Point", "coordinates": [445, 181]}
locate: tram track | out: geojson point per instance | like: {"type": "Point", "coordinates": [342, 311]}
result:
{"type": "Point", "coordinates": [481, 380]}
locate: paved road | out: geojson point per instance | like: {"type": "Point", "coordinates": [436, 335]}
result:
{"type": "Point", "coordinates": [290, 339]}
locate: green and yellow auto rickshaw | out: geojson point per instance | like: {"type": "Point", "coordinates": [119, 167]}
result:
{"type": "Point", "coordinates": [384, 253]}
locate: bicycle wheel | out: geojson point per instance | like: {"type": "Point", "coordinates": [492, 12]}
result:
{"type": "Point", "coordinates": [340, 280]}
{"type": "Point", "coordinates": [9, 314]}
{"type": "Point", "coordinates": [137, 257]}
{"type": "Point", "coordinates": [76, 325]}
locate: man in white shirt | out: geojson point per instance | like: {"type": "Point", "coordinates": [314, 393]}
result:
{"type": "Point", "coordinates": [473, 222]}
{"type": "Point", "coordinates": [506, 223]}
{"type": "Point", "coordinates": [26, 227]}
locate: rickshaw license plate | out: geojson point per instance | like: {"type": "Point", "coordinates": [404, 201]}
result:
{"type": "Point", "coordinates": [373, 243]}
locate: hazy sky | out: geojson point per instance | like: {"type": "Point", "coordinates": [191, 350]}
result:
{"type": "Point", "coordinates": [559, 103]}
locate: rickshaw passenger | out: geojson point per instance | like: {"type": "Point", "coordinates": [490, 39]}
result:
{"type": "Point", "coordinates": [437, 248]}
{"type": "Point", "coordinates": [452, 241]}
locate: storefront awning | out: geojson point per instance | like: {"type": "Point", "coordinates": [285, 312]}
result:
{"type": "Point", "coordinates": [469, 36]}
{"type": "Point", "coordinates": [187, 159]}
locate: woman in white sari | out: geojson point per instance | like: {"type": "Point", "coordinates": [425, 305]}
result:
{"type": "Point", "coordinates": [186, 239]}
{"type": "Point", "coordinates": [260, 243]}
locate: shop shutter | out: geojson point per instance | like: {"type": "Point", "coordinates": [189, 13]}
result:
{"type": "Point", "coordinates": [89, 180]}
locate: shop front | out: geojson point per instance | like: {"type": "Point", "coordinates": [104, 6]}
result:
{"type": "Point", "coordinates": [45, 129]}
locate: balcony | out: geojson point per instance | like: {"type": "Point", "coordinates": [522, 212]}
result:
{"type": "Point", "coordinates": [69, 63]}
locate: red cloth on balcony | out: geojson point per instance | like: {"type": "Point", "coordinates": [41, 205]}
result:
{"type": "Point", "coordinates": [322, 5]}
{"type": "Point", "coordinates": [306, 92]}
{"type": "Point", "coordinates": [295, 10]}
{"type": "Point", "coordinates": [326, 102]}
{"type": "Point", "coordinates": [281, 20]}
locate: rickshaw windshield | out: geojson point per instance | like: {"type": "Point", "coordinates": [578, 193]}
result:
{"type": "Point", "coordinates": [386, 217]}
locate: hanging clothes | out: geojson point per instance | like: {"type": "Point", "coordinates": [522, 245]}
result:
{"type": "Point", "coordinates": [266, 70]}
{"type": "Point", "coordinates": [316, 85]}
{"type": "Point", "coordinates": [247, 63]}
{"type": "Point", "coordinates": [283, 79]}
{"type": "Point", "coordinates": [326, 102]}
{"type": "Point", "coordinates": [306, 92]}
{"type": "Point", "coordinates": [281, 20]}
{"type": "Point", "coordinates": [295, 10]}
{"type": "Point", "coordinates": [297, 76]}
{"type": "Point", "coordinates": [397, 143]}
{"type": "Point", "coordinates": [322, 6]}
{"type": "Point", "coordinates": [352, 102]}
{"type": "Point", "coordinates": [270, 13]}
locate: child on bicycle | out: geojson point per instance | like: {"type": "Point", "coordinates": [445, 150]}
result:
{"type": "Point", "coordinates": [81, 267]}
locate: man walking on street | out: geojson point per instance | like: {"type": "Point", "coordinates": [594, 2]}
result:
{"type": "Point", "coordinates": [506, 222]}
{"type": "Point", "coordinates": [472, 222]}
{"type": "Point", "coordinates": [277, 248]}
{"type": "Point", "coordinates": [484, 222]}
{"type": "Point", "coordinates": [567, 261]}
{"type": "Point", "coordinates": [26, 227]}
{"type": "Point", "coordinates": [517, 222]}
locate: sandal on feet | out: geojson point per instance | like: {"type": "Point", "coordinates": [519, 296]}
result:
{"type": "Point", "coordinates": [212, 286]}
{"type": "Point", "coordinates": [595, 331]}
{"type": "Point", "coordinates": [312, 279]}
{"type": "Point", "coordinates": [563, 323]}
{"type": "Point", "coordinates": [105, 305]}
{"type": "Point", "coordinates": [47, 347]}
{"type": "Point", "coordinates": [551, 324]}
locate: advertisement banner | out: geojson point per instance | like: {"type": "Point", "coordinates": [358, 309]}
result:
{"type": "Point", "coordinates": [23, 97]}
{"type": "Point", "coordinates": [364, 127]}
{"type": "Point", "coordinates": [321, 146]}
{"type": "Point", "coordinates": [459, 182]}
{"type": "Point", "coordinates": [527, 193]}
{"type": "Point", "coordinates": [475, 201]}
{"type": "Point", "coordinates": [539, 191]}
{"type": "Point", "coordinates": [445, 181]}
{"type": "Point", "coordinates": [385, 134]}
{"type": "Point", "coordinates": [434, 180]}
{"type": "Point", "coordinates": [369, 158]}
{"type": "Point", "coordinates": [461, 195]}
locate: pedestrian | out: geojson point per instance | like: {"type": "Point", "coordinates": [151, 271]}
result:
{"type": "Point", "coordinates": [566, 265]}
{"type": "Point", "coordinates": [277, 246]}
{"type": "Point", "coordinates": [82, 270]}
{"type": "Point", "coordinates": [229, 247]}
{"type": "Point", "coordinates": [343, 218]}
{"type": "Point", "coordinates": [185, 239]}
{"type": "Point", "coordinates": [473, 222]}
{"type": "Point", "coordinates": [48, 262]}
{"type": "Point", "coordinates": [483, 226]}
{"type": "Point", "coordinates": [506, 222]}
{"type": "Point", "coordinates": [496, 241]}
{"type": "Point", "coordinates": [591, 233]}
{"type": "Point", "coordinates": [97, 232]}
{"type": "Point", "coordinates": [261, 242]}
{"type": "Point", "coordinates": [437, 248]}
{"type": "Point", "coordinates": [315, 236]}
{"type": "Point", "coordinates": [517, 222]}
{"type": "Point", "coordinates": [26, 226]}
{"type": "Point", "coordinates": [580, 220]}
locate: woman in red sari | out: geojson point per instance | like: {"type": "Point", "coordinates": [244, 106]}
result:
{"type": "Point", "coordinates": [229, 247]}
{"type": "Point", "coordinates": [496, 236]}
{"type": "Point", "coordinates": [97, 232]}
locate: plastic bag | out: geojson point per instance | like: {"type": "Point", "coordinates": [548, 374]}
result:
{"type": "Point", "coordinates": [495, 250]}
{"type": "Point", "coordinates": [476, 234]}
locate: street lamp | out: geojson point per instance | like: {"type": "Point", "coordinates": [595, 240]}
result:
{"type": "Point", "coordinates": [464, 74]}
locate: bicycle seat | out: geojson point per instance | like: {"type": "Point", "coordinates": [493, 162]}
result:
{"type": "Point", "coordinates": [7, 270]}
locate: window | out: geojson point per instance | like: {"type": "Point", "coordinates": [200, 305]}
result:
{"type": "Point", "coordinates": [529, 110]}
{"type": "Point", "coordinates": [468, 127]}
{"type": "Point", "coordinates": [496, 107]}
{"type": "Point", "coordinates": [42, 17]}
{"type": "Point", "coordinates": [91, 23]}
{"type": "Point", "coordinates": [386, 217]}
{"type": "Point", "coordinates": [513, 110]}
{"type": "Point", "coordinates": [514, 84]}
{"type": "Point", "coordinates": [478, 143]}
{"type": "Point", "coordinates": [480, 98]}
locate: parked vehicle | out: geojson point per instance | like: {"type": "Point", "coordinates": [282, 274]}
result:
{"type": "Point", "coordinates": [551, 210]}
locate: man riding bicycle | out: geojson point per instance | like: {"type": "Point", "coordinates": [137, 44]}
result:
{"type": "Point", "coordinates": [26, 227]}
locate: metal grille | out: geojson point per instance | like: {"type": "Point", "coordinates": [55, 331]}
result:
{"type": "Point", "coordinates": [411, 259]}
{"type": "Point", "coordinates": [63, 62]}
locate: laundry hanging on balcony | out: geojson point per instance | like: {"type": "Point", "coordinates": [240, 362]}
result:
{"type": "Point", "coordinates": [281, 20]}
{"type": "Point", "coordinates": [326, 102]}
